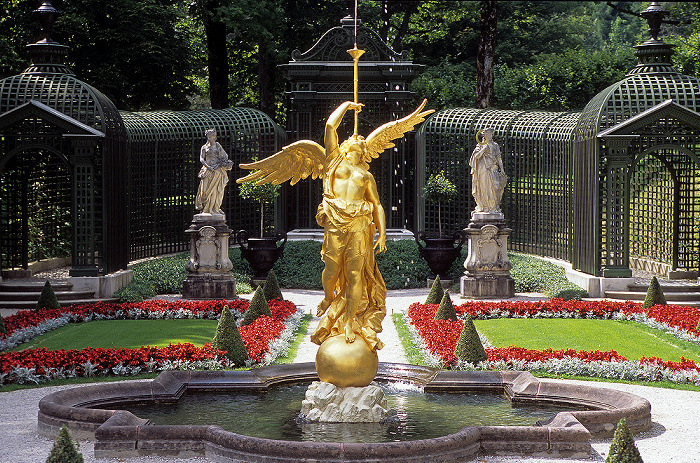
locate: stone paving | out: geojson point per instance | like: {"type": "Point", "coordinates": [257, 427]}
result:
{"type": "Point", "coordinates": [673, 437]}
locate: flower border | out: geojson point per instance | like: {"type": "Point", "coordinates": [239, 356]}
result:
{"type": "Point", "coordinates": [265, 339]}
{"type": "Point", "coordinates": [437, 339]}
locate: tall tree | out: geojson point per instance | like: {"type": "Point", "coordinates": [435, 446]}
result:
{"type": "Point", "coordinates": [131, 50]}
{"type": "Point", "coordinates": [485, 53]}
{"type": "Point", "coordinates": [208, 11]}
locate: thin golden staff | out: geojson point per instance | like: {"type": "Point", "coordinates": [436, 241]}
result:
{"type": "Point", "coordinates": [356, 53]}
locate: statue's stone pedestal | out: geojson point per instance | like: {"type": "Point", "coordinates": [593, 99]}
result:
{"type": "Point", "coordinates": [209, 268]}
{"type": "Point", "coordinates": [328, 403]}
{"type": "Point", "coordinates": [487, 266]}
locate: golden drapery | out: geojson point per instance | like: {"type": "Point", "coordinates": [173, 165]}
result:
{"type": "Point", "coordinates": [349, 235]}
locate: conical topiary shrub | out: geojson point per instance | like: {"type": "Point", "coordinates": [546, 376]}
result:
{"type": "Point", "coordinates": [469, 347]}
{"type": "Point", "coordinates": [446, 311]}
{"type": "Point", "coordinates": [654, 295]}
{"type": "Point", "coordinates": [258, 306]}
{"type": "Point", "coordinates": [622, 448]}
{"type": "Point", "coordinates": [436, 292]}
{"type": "Point", "coordinates": [64, 451]}
{"type": "Point", "coordinates": [271, 288]}
{"type": "Point", "coordinates": [48, 299]}
{"type": "Point", "coordinates": [228, 338]}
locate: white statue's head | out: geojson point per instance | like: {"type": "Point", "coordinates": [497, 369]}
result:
{"type": "Point", "coordinates": [211, 135]}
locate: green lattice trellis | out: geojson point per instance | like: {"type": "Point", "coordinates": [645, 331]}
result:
{"type": "Point", "coordinates": [163, 152]}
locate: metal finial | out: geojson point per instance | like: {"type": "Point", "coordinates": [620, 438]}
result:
{"type": "Point", "coordinates": [654, 14]}
{"type": "Point", "coordinates": [46, 14]}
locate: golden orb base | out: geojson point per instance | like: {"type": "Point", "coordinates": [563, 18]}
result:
{"type": "Point", "coordinates": [346, 364]}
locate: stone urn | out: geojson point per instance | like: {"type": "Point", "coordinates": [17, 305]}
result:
{"type": "Point", "coordinates": [261, 253]}
{"type": "Point", "coordinates": [440, 253]}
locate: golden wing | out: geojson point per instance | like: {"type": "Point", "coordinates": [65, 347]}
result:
{"type": "Point", "coordinates": [295, 162]}
{"type": "Point", "coordinates": [381, 138]}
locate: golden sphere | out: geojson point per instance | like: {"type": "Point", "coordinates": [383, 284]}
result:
{"type": "Point", "coordinates": [346, 364]}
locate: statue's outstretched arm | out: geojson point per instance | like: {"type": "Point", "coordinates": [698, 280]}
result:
{"type": "Point", "coordinates": [331, 133]}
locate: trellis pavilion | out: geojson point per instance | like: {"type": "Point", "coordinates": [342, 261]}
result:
{"type": "Point", "coordinates": [608, 189]}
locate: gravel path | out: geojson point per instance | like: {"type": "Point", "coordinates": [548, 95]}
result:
{"type": "Point", "coordinates": [673, 438]}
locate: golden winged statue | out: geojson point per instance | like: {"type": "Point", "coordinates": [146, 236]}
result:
{"type": "Point", "coordinates": [350, 213]}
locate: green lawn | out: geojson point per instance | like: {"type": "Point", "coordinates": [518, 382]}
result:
{"type": "Point", "coordinates": [126, 333]}
{"type": "Point", "coordinates": [626, 338]}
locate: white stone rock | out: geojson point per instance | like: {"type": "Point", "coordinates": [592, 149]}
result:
{"type": "Point", "coordinates": [327, 403]}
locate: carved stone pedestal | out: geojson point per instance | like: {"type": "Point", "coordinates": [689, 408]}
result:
{"type": "Point", "coordinates": [209, 268]}
{"type": "Point", "coordinates": [487, 266]}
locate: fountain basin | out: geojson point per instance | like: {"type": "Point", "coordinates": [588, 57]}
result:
{"type": "Point", "coordinates": [119, 433]}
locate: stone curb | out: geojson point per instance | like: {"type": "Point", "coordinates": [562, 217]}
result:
{"type": "Point", "coordinates": [121, 434]}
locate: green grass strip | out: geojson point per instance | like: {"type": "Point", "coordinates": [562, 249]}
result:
{"type": "Point", "coordinates": [413, 354]}
{"type": "Point", "coordinates": [300, 332]}
{"type": "Point", "coordinates": [626, 338]}
{"type": "Point", "coordinates": [126, 333]}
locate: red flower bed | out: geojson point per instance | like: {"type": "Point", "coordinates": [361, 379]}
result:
{"type": "Point", "coordinates": [256, 336]}
{"type": "Point", "coordinates": [101, 358]}
{"type": "Point", "coordinates": [520, 353]}
{"type": "Point", "coordinates": [583, 309]}
{"type": "Point", "coordinates": [440, 336]}
{"type": "Point", "coordinates": [156, 308]}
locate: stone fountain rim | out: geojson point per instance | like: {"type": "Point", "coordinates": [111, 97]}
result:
{"type": "Point", "coordinates": [119, 433]}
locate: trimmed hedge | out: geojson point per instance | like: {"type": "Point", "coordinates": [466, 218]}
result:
{"type": "Point", "coordinates": [532, 274]}
{"type": "Point", "coordinates": [436, 292]}
{"type": "Point", "coordinates": [446, 311]}
{"type": "Point", "coordinates": [469, 347]}
{"type": "Point", "coordinates": [258, 306]}
{"type": "Point", "coordinates": [47, 299]}
{"type": "Point", "coordinates": [654, 295]}
{"type": "Point", "coordinates": [301, 266]}
{"type": "Point", "coordinates": [228, 338]}
{"type": "Point", "coordinates": [64, 450]}
{"type": "Point", "coordinates": [622, 448]}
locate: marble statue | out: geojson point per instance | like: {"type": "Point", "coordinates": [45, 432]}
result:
{"type": "Point", "coordinates": [351, 214]}
{"type": "Point", "coordinates": [488, 177]}
{"type": "Point", "coordinates": [213, 175]}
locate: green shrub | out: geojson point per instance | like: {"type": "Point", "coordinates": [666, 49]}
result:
{"type": "Point", "coordinates": [228, 338]}
{"type": "Point", "coordinates": [469, 347]}
{"type": "Point", "coordinates": [47, 299]}
{"type": "Point", "coordinates": [300, 266]}
{"type": "Point", "coordinates": [654, 295]}
{"type": "Point", "coordinates": [446, 311]}
{"type": "Point", "coordinates": [271, 288]}
{"type": "Point", "coordinates": [64, 451]}
{"type": "Point", "coordinates": [3, 329]}
{"type": "Point", "coordinates": [136, 291]}
{"type": "Point", "coordinates": [258, 306]}
{"type": "Point", "coordinates": [532, 274]}
{"type": "Point", "coordinates": [436, 292]}
{"type": "Point", "coordinates": [401, 266]}
{"type": "Point", "coordinates": [164, 274]}
{"type": "Point", "coordinates": [622, 448]}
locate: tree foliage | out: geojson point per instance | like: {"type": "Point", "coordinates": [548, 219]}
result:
{"type": "Point", "coordinates": [152, 54]}
{"type": "Point", "coordinates": [258, 306]}
{"type": "Point", "coordinates": [228, 338]}
{"type": "Point", "coordinates": [47, 299]}
{"type": "Point", "coordinates": [64, 450]}
{"type": "Point", "coordinates": [469, 347]}
{"type": "Point", "coordinates": [622, 448]}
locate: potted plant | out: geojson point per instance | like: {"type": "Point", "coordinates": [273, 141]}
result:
{"type": "Point", "coordinates": [262, 252]}
{"type": "Point", "coordinates": [439, 252]}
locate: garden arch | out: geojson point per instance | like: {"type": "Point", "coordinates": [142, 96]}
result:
{"type": "Point", "coordinates": [41, 150]}
{"type": "Point", "coordinates": [652, 192]}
